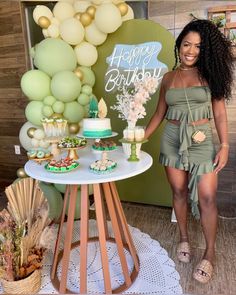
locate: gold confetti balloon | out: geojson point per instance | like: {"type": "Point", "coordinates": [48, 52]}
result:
{"type": "Point", "coordinates": [21, 173]}
{"type": "Point", "coordinates": [91, 10]}
{"type": "Point", "coordinates": [79, 74]}
{"type": "Point", "coordinates": [123, 7]}
{"type": "Point", "coordinates": [44, 22]}
{"type": "Point", "coordinates": [85, 19]}
{"type": "Point", "coordinates": [74, 128]}
{"type": "Point", "coordinates": [30, 132]}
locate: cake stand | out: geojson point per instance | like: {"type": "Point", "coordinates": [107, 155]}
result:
{"type": "Point", "coordinates": [133, 156]}
{"type": "Point", "coordinates": [72, 152]}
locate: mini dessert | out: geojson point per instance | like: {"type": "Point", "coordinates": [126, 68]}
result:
{"type": "Point", "coordinates": [72, 142]}
{"type": "Point", "coordinates": [63, 165]}
{"type": "Point", "coordinates": [54, 127]}
{"type": "Point", "coordinates": [104, 145]}
{"type": "Point", "coordinates": [97, 125]}
{"type": "Point", "coordinates": [103, 166]}
{"type": "Point", "coordinates": [38, 154]}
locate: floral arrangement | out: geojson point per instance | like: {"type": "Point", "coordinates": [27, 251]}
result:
{"type": "Point", "coordinates": [130, 102]}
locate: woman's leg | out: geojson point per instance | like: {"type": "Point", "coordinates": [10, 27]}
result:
{"type": "Point", "coordinates": [208, 209]}
{"type": "Point", "coordinates": [178, 180]}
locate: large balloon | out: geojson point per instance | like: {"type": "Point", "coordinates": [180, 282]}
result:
{"type": "Point", "coordinates": [86, 54]}
{"type": "Point", "coordinates": [24, 138]}
{"type": "Point", "coordinates": [74, 112]}
{"type": "Point", "coordinates": [108, 18]}
{"type": "Point", "coordinates": [88, 76]}
{"type": "Point", "coordinates": [54, 199]}
{"type": "Point", "coordinates": [72, 31]}
{"type": "Point", "coordinates": [63, 10]}
{"type": "Point", "coordinates": [81, 5]}
{"type": "Point", "coordinates": [34, 112]}
{"type": "Point", "coordinates": [41, 10]}
{"type": "Point", "coordinates": [54, 55]}
{"type": "Point", "coordinates": [65, 86]}
{"type": "Point", "coordinates": [35, 84]}
{"type": "Point", "coordinates": [94, 36]}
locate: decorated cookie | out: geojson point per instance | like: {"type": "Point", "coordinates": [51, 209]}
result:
{"type": "Point", "coordinates": [63, 165]}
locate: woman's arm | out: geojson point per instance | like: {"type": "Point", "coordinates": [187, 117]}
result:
{"type": "Point", "coordinates": [220, 118]}
{"type": "Point", "coordinates": [160, 112]}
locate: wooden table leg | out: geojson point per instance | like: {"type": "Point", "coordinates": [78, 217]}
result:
{"type": "Point", "coordinates": [102, 238]}
{"type": "Point", "coordinates": [57, 245]}
{"type": "Point", "coordinates": [84, 237]}
{"type": "Point", "coordinates": [117, 234]}
{"type": "Point", "coordinates": [68, 238]}
{"type": "Point", "coordinates": [124, 225]}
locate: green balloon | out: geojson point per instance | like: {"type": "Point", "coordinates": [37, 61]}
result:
{"type": "Point", "coordinates": [54, 199]}
{"type": "Point", "coordinates": [54, 55]}
{"type": "Point", "coordinates": [58, 107]}
{"type": "Point", "coordinates": [74, 112]}
{"type": "Point", "coordinates": [83, 99]}
{"type": "Point", "coordinates": [87, 89]}
{"type": "Point", "coordinates": [35, 84]}
{"type": "Point", "coordinates": [34, 112]}
{"type": "Point", "coordinates": [65, 86]}
{"type": "Point", "coordinates": [77, 206]}
{"type": "Point", "coordinates": [88, 76]}
{"type": "Point", "coordinates": [47, 111]}
{"type": "Point", "coordinates": [60, 187]}
{"type": "Point", "coordinates": [49, 100]}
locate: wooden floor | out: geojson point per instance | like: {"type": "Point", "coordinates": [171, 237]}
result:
{"type": "Point", "coordinates": [155, 221]}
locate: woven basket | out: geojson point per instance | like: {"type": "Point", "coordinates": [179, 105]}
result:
{"type": "Point", "coordinates": [29, 285]}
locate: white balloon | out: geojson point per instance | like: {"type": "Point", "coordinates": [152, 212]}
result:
{"type": "Point", "coordinates": [39, 134]}
{"type": "Point", "coordinates": [24, 139]}
{"type": "Point", "coordinates": [129, 15]}
{"type": "Point", "coordinates": [108, 18]}
{"type": "Point", "coordinates": [41, 10]}
{"type": "Point", "coordinates": [45, 33]}
{"type": "Point", "coordinates": [86, 54]}
{"type": "Point", "coordinates": [93, 35]}
{"type": "Point", "coordinates": [53, 31]}
{"type": "Point", "coordinates": [117, 1]}
{"type": "Point", "coordinates": [44, 144]}
{"type": "Point", "coordinates": [69, 1]}
{"type": "Point", "coordinates": [55, 21]}
{"type": "Point", "coordinates": [72, 31]}
{"type": "Point", "coordinates": [35, 142]}
{"type": "Point", "coordinates": [81, 5]}
{"type": "Point", "coordinates": [63, 10]}
{"type": "Point", "coordinates": [97, 2]}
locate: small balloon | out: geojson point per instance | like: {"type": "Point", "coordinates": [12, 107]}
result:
{"type": "Point", "coordinates": [91, 10]}
{"type": "Point", "coordinates": [79, 73]}
{"type": "Point", "coordinates": [74, 128]}
{"type": "Point", "coordinates": [77, 15]}
{"type": "Point", "coordinates": [123, 7]}
{"type": "Point", "coordinates": [44, 22]}
{"type": "Point", "coordinates": [21, 173]}
{"type": "Point", "coordinates": [85, 19]}
{"type": "Point", "coordinates": [30, 132]}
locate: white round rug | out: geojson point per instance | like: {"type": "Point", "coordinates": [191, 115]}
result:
{"type": "Point", "coordinates": [157, 274]}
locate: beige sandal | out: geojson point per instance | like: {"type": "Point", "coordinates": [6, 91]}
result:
{"type": "Point", "coordinates": [183, 252]}
{"type": "Point", "coordinates": [203, 271]}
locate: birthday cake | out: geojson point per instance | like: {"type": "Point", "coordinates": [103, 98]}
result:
{"type": "Point", "coordinates": [97, 125]}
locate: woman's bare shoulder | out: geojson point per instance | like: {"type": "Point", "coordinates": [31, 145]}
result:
{"type": "Point", "coordinates": [168, 78]}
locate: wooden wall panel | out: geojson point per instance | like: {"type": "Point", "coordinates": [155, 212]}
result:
{"type": "Point", "coordinates": [13, 64]}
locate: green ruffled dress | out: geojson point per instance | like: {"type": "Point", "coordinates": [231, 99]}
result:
{"type": "Point", "coordinates": [177, 148]}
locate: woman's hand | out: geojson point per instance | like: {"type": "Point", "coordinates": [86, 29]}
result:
{"type": "Point", "coordinates": [221, 159]}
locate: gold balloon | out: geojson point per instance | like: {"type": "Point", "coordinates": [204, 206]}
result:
{"type": "Point", "coordinates": [44, 22]}
{"type": "Point", "coordinates": [85, 19]}
{"type": "Point", "coordinates": [77, 15]}
{"type": "Point", "coordinates": [21, 173]}
{"type": "Point", "coordinates": [74, 128]}
{"type": "Point", "coordinates": [91, 10]}
{"type": "Point", "coordinates": [79, 74]}
{"type": "Point", "coordinates": [30, 132]}
{"type": "Point", "coordinates": [123, 7]}
{"type": "Point", "coordinates": [56, 116]}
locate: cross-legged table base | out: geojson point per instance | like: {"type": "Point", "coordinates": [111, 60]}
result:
{"type": "Point", "coordinates": [103, 193]}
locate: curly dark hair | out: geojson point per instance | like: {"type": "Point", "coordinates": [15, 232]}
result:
{"type": "Point", "coordinates": [215, 62]}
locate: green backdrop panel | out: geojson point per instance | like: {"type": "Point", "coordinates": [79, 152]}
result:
{"type": "Point", "coordinates": [150, 187]}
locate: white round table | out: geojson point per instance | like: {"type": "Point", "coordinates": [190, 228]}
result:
{"type": "Point", "coordinates": [104, 190]}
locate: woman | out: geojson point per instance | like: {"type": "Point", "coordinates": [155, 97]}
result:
{"type": "Point", "coordinates": [190, 96]}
